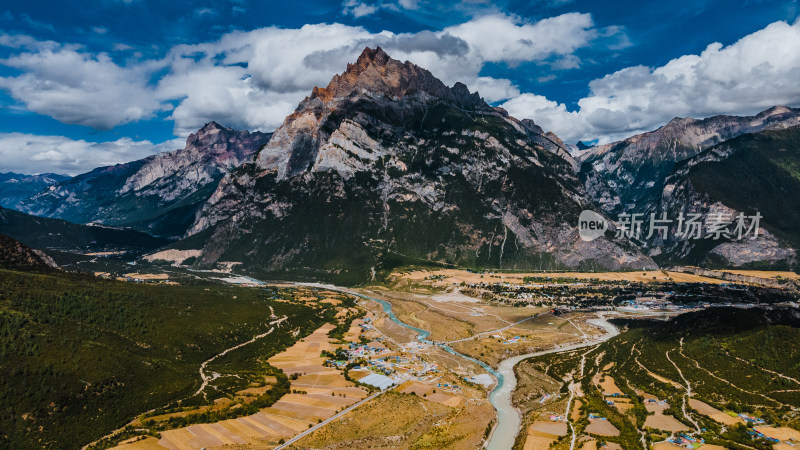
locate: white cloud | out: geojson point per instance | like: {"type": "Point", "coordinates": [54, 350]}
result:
{"type": "Point", "coordinates": [78, 88]}
{"type": "Point", "coordinates": [500, 38]}
{"type": "Point", "coordinates": [31, 154]}
{"type": "Point", "coordinates": [549, 115]}
{"type": "Point", "coordinates": [254, 79]}
{"type": "Point", "coordinates": [755, 73]}
{"type": "Point", "coordinates": [358, 9]}
{"type": "Point", "coordinates": [408, 4]}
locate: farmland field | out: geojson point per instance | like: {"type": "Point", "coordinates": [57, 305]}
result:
{"type": "Point", "coordinates": [704, 375]}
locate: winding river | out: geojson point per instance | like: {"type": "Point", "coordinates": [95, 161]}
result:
{"type": "Point", "coordinates": [508, 416]}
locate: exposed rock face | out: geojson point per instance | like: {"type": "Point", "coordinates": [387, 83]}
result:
{"type": "Point", "coordinates": [748, 174]}
{"type": "Point", "coordinates": [16, 256]}
{"type": "Point", "coordinates": [209, 153]}
{"type": "Point", "coordinates": [16, 188]}
{"type": "Point", "coordinates": [629, 175]}
{"type": "Point", "coordinates": [158, 194]}
{"type": "Point", "coordinates": [387, 165]}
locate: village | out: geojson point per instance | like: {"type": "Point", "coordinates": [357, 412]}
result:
{"type": "Point", "coordinates": [375, 361]}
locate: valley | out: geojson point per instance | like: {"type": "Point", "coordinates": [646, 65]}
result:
{"type": "Point", "coordinates": [477, 354]}
{"type": "Point", "coordinates": [401, 264]}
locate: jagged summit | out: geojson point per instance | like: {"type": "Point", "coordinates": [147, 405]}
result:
{"type": "Point", "coordinates": [387, 165]}
{"type": "Point", "coordinates": [375, 71]}
{"type": "Point", "coordinates": [213, 125]}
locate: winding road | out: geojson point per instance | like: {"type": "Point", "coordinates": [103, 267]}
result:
{"type": "Point", "coordinates": [207, 378]}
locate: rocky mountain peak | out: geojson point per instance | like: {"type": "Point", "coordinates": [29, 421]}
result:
{"type": "Point", "coordinates": [210, 127]}
{"type": "Point", "coordinates": [209, 133]}
{"type": "Point", "coordinates": [778, 110]}
{"type": "Point", "coordinates": [375, 71]}
{"type": "Point", "coordinates": [679, 122]}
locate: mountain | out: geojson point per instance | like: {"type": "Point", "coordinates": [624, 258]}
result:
{"type": "Point", "coordinates": [386, 166]}
{"type": "Point", "coordinates": [628, 176]}
{"type": "Point", "coordinates": [159, 194]}
{"type": "Point", "coordinates": [15, 188]}
{"type": "Point", "coordinates": [16, 256]}
{"type": "Point", "coordinates": [60, 235]}
{"type": "Point", "coordinates": [753, 172]}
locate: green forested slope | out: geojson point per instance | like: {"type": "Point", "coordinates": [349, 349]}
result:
{"type": "Point", "coordinates": [80, 356]}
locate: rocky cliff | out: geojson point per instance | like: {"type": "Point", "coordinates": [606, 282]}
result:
{"type": "Point", "coordinates": [387, 165]}
{"type": "Point", "coordinates": [628, 176]}
{"type": "Point", "coordinates": [159, 194]}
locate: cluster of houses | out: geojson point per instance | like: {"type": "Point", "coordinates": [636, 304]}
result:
{"type": "Point", "coordinates": [375, 347]}
{"type": "Point", "coordinates": [757, 434]}
{"type": "Point", "coordinates": [366, 324]}
{"type": "Point", "coordinates": [686, 441]}
{"type": "Point", "coordinates": [449, 386]}
{"type": "Point", "coordinates": [751, 419]}
{"type": "Point", "coordinates": [383, 362]}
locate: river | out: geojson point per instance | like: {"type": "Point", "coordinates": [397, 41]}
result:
{"type": "Point", "coordinates": [508, 416]}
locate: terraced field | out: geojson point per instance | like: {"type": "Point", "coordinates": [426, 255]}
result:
{"type": "Point", "coordinates": [702, 378]}
{"type": "Point", "coordinates": [322, 392]}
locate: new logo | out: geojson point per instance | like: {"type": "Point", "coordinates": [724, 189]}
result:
{"type": "Point", "coordinates": [591, 225]}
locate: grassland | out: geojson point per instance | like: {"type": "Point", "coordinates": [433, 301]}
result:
{"type": "Point", "coordinates": [80, 356]}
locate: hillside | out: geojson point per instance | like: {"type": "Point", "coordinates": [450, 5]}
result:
{"type": "Point", "coordinates": [16, 256]}
{"type": "Point", "coordinates": [81, 356]}
{"type": "Point", "coordinates": [387, 165]}
{"type": "Point", "coordinates": [628, 176]}
{"type": "Point", "coordinates": [54, 234]}
{"type": "Point", "coordinates": [754, 172]}
{"type": "Point", "coordinates": [158, 194]}
{"type": "Point", "coordinates": [687, 378]}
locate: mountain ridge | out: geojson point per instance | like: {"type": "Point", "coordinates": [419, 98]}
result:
{"type": "Point", "coordinates": [157, 194]}
{"type": "Point", "coordinates": [16, 187]}
{"type": "Point", "coordinates": [365, 175]}
{"type": "Point", "coordinates": [621, 175]}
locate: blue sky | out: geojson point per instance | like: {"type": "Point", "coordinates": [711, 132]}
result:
{"type": "Point", "coordinates": [98, 82]}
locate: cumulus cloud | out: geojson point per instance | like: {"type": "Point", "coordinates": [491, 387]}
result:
{"type": "Point", "coordinates": [253, 79]}
{"type": "Point", "coordinates": [550, 115]}
{"type": "Point", "coordinates": [755, 73]}
{"type": "Point", "coordinates": [358, 9]}
{"type": "Point", "coordinates": [78, 88]}
{"type": "Point", "coordinates": [31, 154]}
{"type": "Point", "coordinates": [516, 42]}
